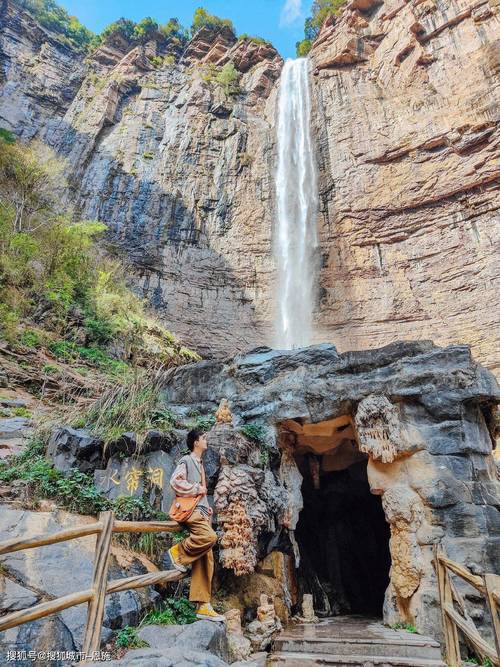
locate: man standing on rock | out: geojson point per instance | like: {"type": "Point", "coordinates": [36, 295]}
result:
{"type": "Point", "coordinates": [189, 483]}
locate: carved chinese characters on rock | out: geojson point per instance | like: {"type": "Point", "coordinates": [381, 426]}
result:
{"type": "Point", "coordinates": [148, 474]}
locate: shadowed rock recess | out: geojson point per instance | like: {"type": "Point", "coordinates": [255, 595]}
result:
{"type": "Point", "coordinates": [405, 108]}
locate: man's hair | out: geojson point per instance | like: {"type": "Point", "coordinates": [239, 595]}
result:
{"type": "Point", "coordinates": [192, 437]}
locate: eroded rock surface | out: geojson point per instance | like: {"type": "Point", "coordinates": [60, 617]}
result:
{"type": "Point", "coordinates": [423, 416]}
{"type": "Point", "coordinates": [406, 119]}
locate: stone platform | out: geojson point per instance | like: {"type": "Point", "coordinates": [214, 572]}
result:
{"type": "Point", "coordinates": [353, 641]}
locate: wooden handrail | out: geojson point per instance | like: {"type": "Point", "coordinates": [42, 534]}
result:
{"type": "Point", "coordinates": [73, 599]}
{"type": "Point", "coordinates": [470, 578]}
{"type": "Point", "coordinates": [489, 586]}
{"type": "Point", "coordinates": [8, 546]}
{"type": "Point", "coordinates": [94, 596]}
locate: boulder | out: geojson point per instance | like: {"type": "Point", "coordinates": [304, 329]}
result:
{"type": "Point", "coordinates": [198, 636]}
{"type": "Point", "coordinates": [202, 643]}
{"type": "Point", "coordinates": [74, 448]}
{"type": "Point", "coordinates": [14, 434]}
{"type": "Point", "coordinates": [126, 445]}
{"type": "Point", "coordinates": [158, 440]}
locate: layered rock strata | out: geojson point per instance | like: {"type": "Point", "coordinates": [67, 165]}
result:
{"type": "Point", "coordinates": [405, 105]}
{"type": "Point", "coordinates": [406, 118]}
{"type": "Point", "coordinates": [179, 167]}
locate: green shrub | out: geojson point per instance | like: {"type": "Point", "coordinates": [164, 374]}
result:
{"type": "Point", "coordinates": [131, 508]}
{"type": "Point", "coordinates": [31, 338]}
{"type": "Point", "coordinates": [254, 432]}
{"type": "Point", "coordinates": [320, 10]}
{"type": "Point", "coordinates": [202, 19]}
{"type": "Point", "coordinates": [55, 18]}
{"type": "Point", "coordinates": [204, 423]}
{"type": "Point", "coordinates": [74, 490]}
{"type": "Point", "coordinates": [257, 433]}
{"type": "Point", "coordinates": [22, 412]}
{"type": "Point", "coordinates": [256, 40]}
{"type": "Point", "coordinates": [174, 611]}
{"type": "Point", "coordinates": [7, 136]}
{"type": "Point", "coordinates": [303, 47]}
{"type": "Point", "coordinates": [409, 627]}
{"type": "Point", "coordinates": [127, 638]}
{"type": "Point", "coordinates": [228, 79]}
{"type": "Point", "coordinates": [164, 419]}
{"type": "Point", "coordinates": [174, 33]}
{"type": "Point", "coordinates": [50, 369]}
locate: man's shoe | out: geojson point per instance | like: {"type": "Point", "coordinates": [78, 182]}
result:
{"type": "Point", "coordinates": [171, 562]}
{"type": "Point", "coordinates": [207, 612]}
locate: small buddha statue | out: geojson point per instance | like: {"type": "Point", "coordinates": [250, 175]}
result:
{"type": "Point", "coordinates": [223, 414]}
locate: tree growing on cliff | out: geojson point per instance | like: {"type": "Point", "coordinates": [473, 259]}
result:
{"type": "Point", "coordinates": [228, 79]}
{"type": "Point", "coordinates": [320, 11]}
{"type": "Point", "coordinates": [56, 18]}
{"type": "Point", "coordinates": [202, 19]}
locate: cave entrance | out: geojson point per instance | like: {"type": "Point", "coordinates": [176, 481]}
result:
{"type": "Point", "coordinates": [342, 534]}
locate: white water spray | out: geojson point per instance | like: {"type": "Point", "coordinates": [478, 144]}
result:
{"type": "Point", "coordinates": [297, 197]}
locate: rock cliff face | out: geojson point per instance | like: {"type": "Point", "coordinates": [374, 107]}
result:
{"type": "Point", "coordinates": [404, 118]}
{"type": "Point", "coordinates": [180, 170]}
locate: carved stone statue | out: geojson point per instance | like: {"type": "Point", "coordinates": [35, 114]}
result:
{"type": "Point", "coordinates": [308, 615]}
{"type": "Point", "coordinates": [265, 611]}
{"type": "Point", "coordinates": [233, 622]}
{"type": "Point", "coordinates": [262, 631]}
{"type": "Point", "coordinates": [223, 414]}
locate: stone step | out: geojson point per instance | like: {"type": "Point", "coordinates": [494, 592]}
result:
{"type": "Point", "coordinates": [302, 659]}
{"type": "Point", "coordinates": [422, 647]}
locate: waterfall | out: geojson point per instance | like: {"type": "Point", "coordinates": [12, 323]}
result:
{"type": "Point", "coordinates": [296, 196]}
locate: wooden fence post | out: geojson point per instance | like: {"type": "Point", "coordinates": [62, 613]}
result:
{"type": "Point", "coordinates": [492, 582]}
{"type": "Point", "coordinates": [95, 612]}
{"type": "Point", "coordinates": [449, 628]}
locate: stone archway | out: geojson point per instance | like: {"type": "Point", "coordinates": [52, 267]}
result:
{"type": "Point", "coordinates": [341, 532]}
{"type": "Point", "coordinates": [394, 458]}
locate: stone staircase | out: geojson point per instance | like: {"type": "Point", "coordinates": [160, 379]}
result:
{"type": "Point", "coordinates": [351, 641]}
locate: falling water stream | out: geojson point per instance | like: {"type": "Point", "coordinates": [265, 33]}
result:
{"type": "Point", "coordinates": [297, 197]}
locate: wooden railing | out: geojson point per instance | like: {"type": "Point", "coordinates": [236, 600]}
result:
{"type": "Point", "coordinates": [96, 595]}
{"type": "Point", "coordinates": [455, 616]}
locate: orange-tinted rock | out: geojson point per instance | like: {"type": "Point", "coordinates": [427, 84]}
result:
{"type": "Point", "coordinates": [405, 119]}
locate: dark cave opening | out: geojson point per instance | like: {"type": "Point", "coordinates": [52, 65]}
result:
{"type": "Point", "coordinates": [342, 534]}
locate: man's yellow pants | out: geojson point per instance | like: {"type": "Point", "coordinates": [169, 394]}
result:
{"type": "Point", "coordinates": [197, 550]}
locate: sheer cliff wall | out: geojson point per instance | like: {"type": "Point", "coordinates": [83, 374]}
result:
{"type": "Point", "coordinates": [405, 111]}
